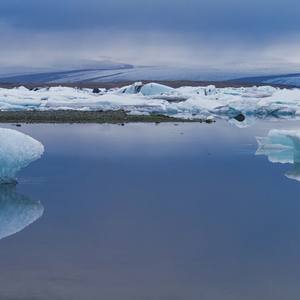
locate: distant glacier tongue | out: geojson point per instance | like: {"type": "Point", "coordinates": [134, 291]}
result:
{"type": "Point", "coordinates": [17, 150]}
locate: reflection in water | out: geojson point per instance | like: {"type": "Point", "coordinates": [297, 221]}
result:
{"type": "Point", "coordinates": [282, 146]}
{"type": "Point", "coordinates": [16, 211]}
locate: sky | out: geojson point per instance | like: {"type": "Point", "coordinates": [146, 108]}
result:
{"type": "Point", "coordinates": [216, 34]}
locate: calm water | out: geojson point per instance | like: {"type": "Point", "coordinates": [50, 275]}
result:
{"type": "Point", "coordinates": [154, 212]}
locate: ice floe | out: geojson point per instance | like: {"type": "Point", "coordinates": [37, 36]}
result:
{"type": "Point", "coordinates": [187, 102]}
{"type": "Point", "coordinates": [17, 151]}
{"type": "Point", "coordinates": [282, 146]}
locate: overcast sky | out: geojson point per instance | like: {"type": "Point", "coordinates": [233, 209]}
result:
{"type": "Point", "coordinates": [245, 34]}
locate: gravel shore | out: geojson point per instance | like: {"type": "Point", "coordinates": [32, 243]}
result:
{"type": "Point", "coordinates": [73, 116]}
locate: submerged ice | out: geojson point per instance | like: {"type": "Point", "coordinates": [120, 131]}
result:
{"type": "Point", "coordinates": [282, 146]}
{"type": "Point", "coordinates": [139, 98]}
{"type": "Point", "coordinates": [16, 211]}
{"type": "Point", "coordinates": [17, 151]}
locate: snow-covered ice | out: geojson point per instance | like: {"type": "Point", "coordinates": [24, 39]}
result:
{"type": "Point", "coordinates": [17, 151]}
{"type": "Point", "coordinates": [16, 211]}
{"type": "Point", "coordinates": [282, 146]}
{"type": "Point", "coordinates": [149, 89]}
{"type": "Point", "coordinates": [187, 102]}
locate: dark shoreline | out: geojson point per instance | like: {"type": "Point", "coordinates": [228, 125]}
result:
{"type": "Point", "coordinates": [75, 116]}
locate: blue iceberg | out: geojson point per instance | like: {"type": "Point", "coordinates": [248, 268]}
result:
{"type": "Point", "coordinates": [282, 146]}
{"type": "Point", "coordinates": [17, 150]}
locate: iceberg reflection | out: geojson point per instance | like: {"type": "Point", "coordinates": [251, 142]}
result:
{"type": "Point", "coordinates": [16, 211]}
{"type": "Point", "coordinates": [282, 146]}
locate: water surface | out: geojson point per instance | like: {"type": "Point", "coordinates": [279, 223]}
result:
{"type": "Point", "coordinates": [155, 212]}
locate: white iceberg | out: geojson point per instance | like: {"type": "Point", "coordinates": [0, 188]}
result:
{"type": "Point", "coordinates": [152, 89]}
{"type": "Point", "coordinates": [16, 211]}
{"type": "Point", "coordinates": [186, 102]}
{"type": "Point", "coordinates": [17, 151]}
{"type": "Point", "coordinates": [282, 146]}
{"type": "Point", "coordinates": [149, 89]}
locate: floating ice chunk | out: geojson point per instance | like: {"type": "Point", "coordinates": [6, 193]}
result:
{"type": "Point", "coordinates": [249, 121]}
{"type": "Point", "coordinates": [282, 146]}
{"type": "Point", "coordinates": [17, 151]}
{"type": "Point", "coordinates": [16, 211]}
{"type": "Point", "coordinates": [210, 90]}
{"type": "Point", "coordinates": [131, 89]}
{"type": "Point", "coordinates": [152, 89]}
{"type": "Point", "coordinates": [279, 145]}
{"type": "Point", "coordinates": [188, 102]}
{"type": "Point", "coordinates": [149, 89]}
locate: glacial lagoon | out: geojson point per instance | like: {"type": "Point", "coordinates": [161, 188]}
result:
{"type": "Point", "coordinates": [144, 211]}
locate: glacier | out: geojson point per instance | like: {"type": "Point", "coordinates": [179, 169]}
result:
{"type": "Point", "coordinates": [263, 102]}
{"type": "Point", "coordinates": [17, 150]}
{"type": "Point", "coordinates": [16, 211]}
{"type": "Point", "coordinates": [282, 146]}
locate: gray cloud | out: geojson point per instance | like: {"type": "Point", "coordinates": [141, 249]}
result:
{"type": "Point", "coordinates": [234, 17]}
{"type": "Point", "coordinates": [216, 33]}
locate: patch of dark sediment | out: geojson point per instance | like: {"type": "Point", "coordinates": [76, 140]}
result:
{"type": "Point", "coordinates": [74, 116]}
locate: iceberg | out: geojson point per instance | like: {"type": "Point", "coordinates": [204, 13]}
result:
{"type": "Point", "coordinates": [17, 150]}
{"type": "Point", "coordinates": [282, 146]}
{"type": "Point", "coordinates": [149, 89]}
{"type": "Point", "coordinates": [264, 102]}
{"type": "Point", "coordinates": [152, 89]}
{"type": "Point", "coordinates": [16, 211]}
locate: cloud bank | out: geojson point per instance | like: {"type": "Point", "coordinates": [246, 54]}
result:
{"type": "Point", "coordinates": [229, 35]}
